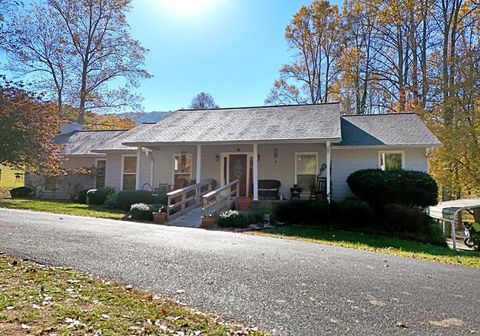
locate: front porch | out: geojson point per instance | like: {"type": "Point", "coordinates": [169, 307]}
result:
{"type": "Point", "coordinates": [178, 168]}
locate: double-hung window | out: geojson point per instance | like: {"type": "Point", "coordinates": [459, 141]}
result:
{"type": "Point", "coordinates": [100, 174]}
{"type": "Point", "coordinates": [391, 160]}
{"type": "Point", "coordinates": [129, 172]}
{"type": "Point", "coordinates": [182, 169]}
{"type": "Point", "coordinates": [306, 170]}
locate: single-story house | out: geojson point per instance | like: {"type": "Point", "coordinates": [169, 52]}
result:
{"type": "Point", "coordinates": [290, 144]}
{"type": "Point", "coordinates": [76, 148]}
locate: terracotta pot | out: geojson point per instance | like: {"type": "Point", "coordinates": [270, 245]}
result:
{"type": "Point", "coordinates": [159, 217]}
{"type": "Point", "coordinates": [209, 222]}
{"type": "Point", "coordinates": [243, 203]}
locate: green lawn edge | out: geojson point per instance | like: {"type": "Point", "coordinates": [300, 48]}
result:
{"type": "Point", "coordinates": [375, 243]}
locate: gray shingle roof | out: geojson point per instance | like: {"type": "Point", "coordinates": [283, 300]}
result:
{"type": "Point", "coordinates": [394, 129]}
{"type": "Point", "coordinates": [299, 122]}
{"type": "Point", "coordinates": [116, 144]}
{"type": "Point", "coordinates": [82, 142]}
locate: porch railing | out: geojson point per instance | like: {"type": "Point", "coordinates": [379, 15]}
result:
{"type": "Point", "coordinates": [221, 198]}
{"type": "Point", "coordinates": [183, 200]}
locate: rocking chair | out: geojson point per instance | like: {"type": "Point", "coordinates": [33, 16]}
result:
{"type": "Point", "coordinates": [319, 191]}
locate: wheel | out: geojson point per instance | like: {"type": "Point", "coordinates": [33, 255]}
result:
{"type": "Point", "coordinates": [468, 242]}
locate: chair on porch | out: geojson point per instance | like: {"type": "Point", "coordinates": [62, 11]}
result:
{"type": "Point", "coordinates": [319, 191]}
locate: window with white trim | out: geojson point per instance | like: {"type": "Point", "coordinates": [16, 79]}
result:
{"type": "Point", "coordinates": [306, 170]}
{"type": "Point", "coordinates": [51, 183]}
{"type": "Point", "coordinates": [129, 173]}
{"type": "Point", "coordinates": [182, 170]}
{"type": "Point", "coordinates": [100, 174]}
{"type": "Point", "coordinates": [391, 160]}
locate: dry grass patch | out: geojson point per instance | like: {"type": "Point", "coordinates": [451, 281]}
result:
{"type": "Point", "coordinates": [41, 300]}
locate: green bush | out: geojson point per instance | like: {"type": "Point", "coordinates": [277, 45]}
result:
{"type": "Point", "coordinates": [411, 223]}
{"type": "Point", "coordinates": [379, 188]}
{"type": "Point", "coordinates": [142, 211]}
{"type": "Point", "coordinates": [21, 192]}
{"type": "Point", "coordinates": [303, 212]}
{"type": "Point", "coordinates": [234, 219]}
{"type": "Point", "coordinates": [82, 196]}
{"type": "Point", "coordinates": [111, 201]}
{"type": "Point", "coordinates": [355, 213]}
{"type": "Point", "coordinates": [99, 196]}
{"type": "Point", "coordinates": [125, 199]}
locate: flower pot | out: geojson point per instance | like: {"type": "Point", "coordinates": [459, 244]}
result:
{"type": "Point", "coordinates": [159, 217]}
{"type": "Point", "coordinates": [243, 203]}
{"type": "Point", "coordinates": [209, 222]}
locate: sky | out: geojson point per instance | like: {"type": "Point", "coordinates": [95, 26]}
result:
{"type": "Point", "coordinates": [232, 49]}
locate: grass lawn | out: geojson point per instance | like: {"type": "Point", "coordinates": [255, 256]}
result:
{"type": "Point", "coordinates": [382, 244]}
{"type": "Point", "coordinates": [62, 208]}
{"type": "Point", "coordinates": [35, 299]}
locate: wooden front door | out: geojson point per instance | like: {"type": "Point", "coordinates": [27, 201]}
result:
{"type": "Point", "coordinates": [237, 170]}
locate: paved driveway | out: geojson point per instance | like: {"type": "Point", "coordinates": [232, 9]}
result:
{"type": "Point", "coordinates": [291, 288]}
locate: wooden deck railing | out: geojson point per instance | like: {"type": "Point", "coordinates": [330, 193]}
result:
{"type": "Point", "coordinates": [214, 199]}
{"type": "Point", "coordinates": [183, 200]}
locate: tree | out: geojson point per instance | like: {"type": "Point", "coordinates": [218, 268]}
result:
{"type": "Point", "coordinates": [27, 128]}
{"type": "Point", "coordinates": [203, 101]}
{"type": "Point", "coordinates": [78, 48]}
{"type": "Point", "coordinates": [314, 37]}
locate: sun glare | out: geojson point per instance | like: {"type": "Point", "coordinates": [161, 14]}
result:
{"type": "Point", "coordinates": [186, 7]}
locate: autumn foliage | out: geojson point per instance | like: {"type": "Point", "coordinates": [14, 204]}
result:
{"type": "Point", "coordinates": [27, 128]}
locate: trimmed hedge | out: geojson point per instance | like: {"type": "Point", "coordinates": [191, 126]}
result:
{"type": "Point", "coordinates": [412, 223]}
{"type": "Point", "coordinates": [303, 212]}
{"type": "Point", "coordinates": [82, 196]}
{"type": "Point", "coordinates": [379, 188]}
{"type": "Point", "coordinates": [99, 196]}
{"type": "Point", "coordinates": [356, 213]}
{"type": "Point", "coordinates": [142, 211]}
{"type": "Point", "coordinates": [21, 192]}
{"type": "Point", "coordinates": [125, 199]}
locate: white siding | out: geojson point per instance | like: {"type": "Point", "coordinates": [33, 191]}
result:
{"type": "Point", "coordinates": [347, 161]}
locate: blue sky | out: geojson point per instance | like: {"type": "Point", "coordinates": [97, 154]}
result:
{"type": "Point", "coordinates": [231, 49]}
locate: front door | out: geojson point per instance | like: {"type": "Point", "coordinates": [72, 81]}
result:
{"type": "Point", "coordinates": [237, 167]}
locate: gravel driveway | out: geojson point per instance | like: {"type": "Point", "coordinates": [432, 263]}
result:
{"type": "Point", "coordinates": [287, 287]}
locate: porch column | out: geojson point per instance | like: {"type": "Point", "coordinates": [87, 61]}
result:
{"type": "Point", "coordinates": [137, 175]}
{"type": "Point", "coordinates": [328, 146]}
{"type": "Point", "coordinates": [198, 175]}
{"type": "Point", "coordinates": [255, 172]}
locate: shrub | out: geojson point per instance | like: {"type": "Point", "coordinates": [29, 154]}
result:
{"type": "Point", "coordinates": [412, 223]}
{"type": "Point", "coordinates": [82, 196]}
{"type": "Point", "coordinates": [125, 199]}
{"type": "Point", "coordinates": [379, 188]}
{"type": "Point", "coordinates": [111, 201]}
{"type": "Point", "coordinates": [303, 212]}
{"type": "Point", "coordinates": [142, 211]}
{"type": "Point", "coordinates": [99, 196]}
{"type": "Point", "coordinates": [233, 218]}
{"type": "Point", "coordinates": [21, 192]}
{"type": "Point", "coordinates": [355, 213]}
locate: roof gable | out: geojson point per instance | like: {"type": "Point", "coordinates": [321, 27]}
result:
{"type": "Point", "coordinates": [394, 129]}
{"type": "Point", "coordinates": [83, 142]}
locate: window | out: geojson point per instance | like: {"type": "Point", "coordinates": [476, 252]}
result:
{"type": "Point", "coordinates": [50, 183]}
{"type": "Point", "coordinates": [306, 170]}
{"type": "Point", "coordinates": [391, 160]}
{"type": "Point", "coordinates": [182, 170]}
{"type": "Point", "coordinates": [129, 179]}
{"type": "Point", "coordinates": [100, 174]}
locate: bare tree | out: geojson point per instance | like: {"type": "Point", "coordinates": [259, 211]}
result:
{"type": "Point", "coordinates": [86, 46]}
{"type": "Point", "coordinates": [203, 101]}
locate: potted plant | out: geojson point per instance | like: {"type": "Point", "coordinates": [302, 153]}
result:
{"type": "Point", "coordinates": [160, 216]}
{"type": "Point", "coordinates": [209, 221]}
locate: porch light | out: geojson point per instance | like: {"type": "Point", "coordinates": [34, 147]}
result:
{"type": "Point", "coordinates": [217, 157]}
{"type": "Point", "coordinates": [275, 155]}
